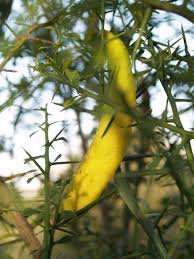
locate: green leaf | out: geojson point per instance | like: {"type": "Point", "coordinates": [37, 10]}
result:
{"type": "Point", "coordinates": [72, 35]}
{"type": "Point", "coordinates": [109, 124]}
{"type": "Point", "coordinates": [65, 239]}
{"type": "Point", "coordinates": [130, 201]}
{"type": "Point", "coordinates": [74, 78]}
{"type": "Point", "coordinates": [30, 211]}
{"type": "Point", "coordinates": [185, 41]}
{"type": "Point", "coordinates": [71, 101]}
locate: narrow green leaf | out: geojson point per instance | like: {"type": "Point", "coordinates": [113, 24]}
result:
{"type": "Point", "coordinates": [185, 41]}
{"type": "Point", "coordinates": [133, 206]}
{"type": "Point", "coordinates": [109, 124]}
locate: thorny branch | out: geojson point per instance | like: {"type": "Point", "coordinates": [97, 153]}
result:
{"type": "Point", "coordinates": [177, 9]}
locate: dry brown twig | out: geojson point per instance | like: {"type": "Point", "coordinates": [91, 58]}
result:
{"type": "Point", "coordinates": [23, 227]}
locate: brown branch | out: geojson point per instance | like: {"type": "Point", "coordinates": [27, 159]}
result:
{"type": "Point", "coordinates": [11, 177]}
{"type": "Point", "coordinates": [9, 70]}
{"type": "Point", "coordinates": [23, 227]}
{"type": "Point", "coordinates": [177, 9]}
{"type": "Point", "coordinates": [40, 40]}
{"type": "Point", "coordinates": [26, 233]}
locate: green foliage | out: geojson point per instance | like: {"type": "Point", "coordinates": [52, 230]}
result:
{"type": "Point", "coordinates": [148, 211]}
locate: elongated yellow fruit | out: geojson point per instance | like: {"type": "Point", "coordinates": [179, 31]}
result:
{"type": "Point", "coordinates": [108, 147]}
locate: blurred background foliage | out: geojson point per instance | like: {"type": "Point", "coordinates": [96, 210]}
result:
{"type": "Point", "coordinates": [59, 42]}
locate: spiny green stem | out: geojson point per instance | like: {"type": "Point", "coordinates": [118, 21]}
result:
{"type": "Point", "coordinates": [138, 42]}
{"type": "Point", "coordinates": [46, 239]}
{"type": "Point", "coordinates": [179, 177]}
{"type": "Point", "coordinates": [177, 119]}
{"type": "Point", "coordinates": [12, 31]}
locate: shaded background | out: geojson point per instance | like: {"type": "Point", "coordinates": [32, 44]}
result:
{"type": "Point", "coordinates": [48, 64]}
